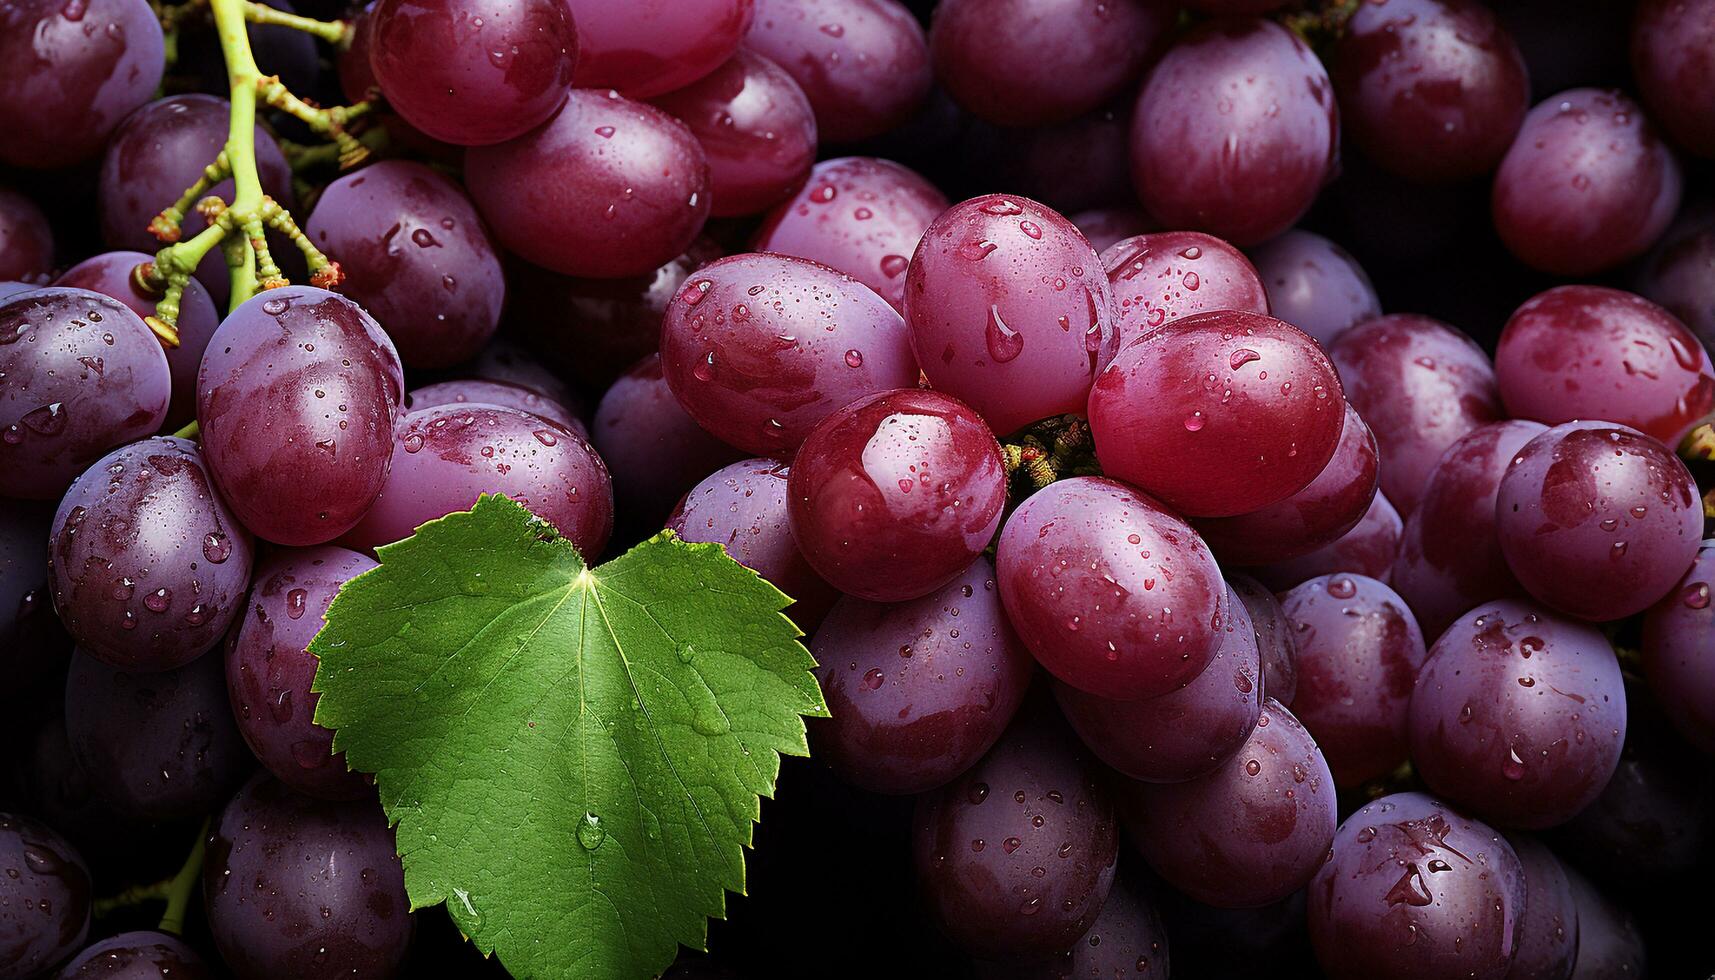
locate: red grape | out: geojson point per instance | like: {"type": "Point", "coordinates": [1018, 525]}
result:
{"type": "Point", "coordinates": [1167, 275]}
{"type": "Point", "coordinates": [864, 64]}
{"type": "Point", "coordinates": [1218, 413]}
{"type": "Point", "coordinates": [26, 241]}
{"type": "Point", "coordinates": [1277, 649]}
{"type": "Point", "coordinates": [1113, 593]}
{"type": "Point", "coordinates": [1671, 63]}
{"type": "Point", "coordinates": [606, 188]}
{"type": "Point", "coordinates": [655, 46]}
{"type": "Point", "coordinates": [1368, 549]}
{"type": "Point", "coordinates": [1518, 715]}
{"type": "Point", "coordinates": [1677, 652]}
{"type": "Point", "coordinates": [136, 956]}
{"type": "Point", "coordinates": [465, 391]}
{"type": "Point", "coordinates": [1314, 284]}
{"type": "Point", "coordinates": [654, 451]}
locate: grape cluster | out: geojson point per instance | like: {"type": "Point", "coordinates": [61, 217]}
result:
{"type": "Point", "coordinates": [1239, 464]}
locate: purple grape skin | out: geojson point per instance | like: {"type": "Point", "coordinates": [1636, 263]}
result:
{"type": "Point", "coordinates": [1277, 650]}
{"type": "Point", "coordinates": [110, 274]}
{"type": "Point", "coordinates": [1234, 132]}
{"type": "Point", "coordinates": [607, 188]}
{"type": "Point", "coordinates": [26, 240]}
{"type": "Point", "coordinates": [1677, 657]}
{"type": "Point", "coordinates": [1358, 652]}
{"type": "Point", "coordinates": [742, 507]}
{"type": "Point", "coordinates": [863, 64]}
{"type": "Point", "coordinates": [1185, 733]}
{"type": "Point", "coordinates": [1219, 413]}
{"type": "Point", "coordinates": [141, 955]}
{"type": "Point", "coordinates": [1069, 166]}
{"type": "Point", "coordinates": [755, 126]}
{"type": "Point", "coordinates": [442, 74]}
{"type": "Point", "coordinates": [44, 897]}
{"type": "Point", "coordinates": [1421, 385]}
{"type": "Point", "coordinates": [70, 393]}
{"type": "Point", "coordinates": [149, 564]}
{"type": "Point", "coordinates": [157, 746]}
{"type": "Point", "coordinates": [416, 256]}
{"type": "Point", "coordinates": [1416, 889]}
{"type": "Point", "coordinates": [1597, 520]}
{"type": "Point", "coordinates": [1249, 833]}
{"type": "Point", "coordinates": [1025, 63]}
{"type": "Point", "coordinates": [1090, 605]}
{"type": "Point", "coordinates": [14, 288]}
{"type": "Point", "coordinates": [761, 348]}
{"type": "Point", "coordinates": [1518, 715]}
{"type": "Point", "coordinates": [920, 690]}
{"type": "Point", "coordinates": [1586, 185]}
{"type": "Point", "coordinates": [1314, 517]}
{"type": "Point", "coordinates": [449, 455]}
{"type": "Point", "coordinates": [1127, 940]}
{"type": "Point", "coordinates": [465, 391]}
{"type": "Point", "coordinates": [1161, 276]}
{"type": "Point", "coordinates": [1035, 801]}
{"type": "Point", "coordinates": [860, 215]}
{"type": "Point", "coordinates": [1548, 930]}
{"type": "Point", "coordinates": [649, 48]}
{"type": "Point", "coordinates": [1106, 227]}
{"type": "Point", "coordinates": [894, 495]}
{"type": "Point", "coordinates": [1009, 310]}
{"type": "Point", "coordinates": [1609, 942]}
{"type": "Point", "coordinates": [269, 670]}
{"type": "Point", "coordinates": [1431, 90]}
{"type": "Point", "coordinates": [1314, 284]}
{"type": "Point", "coordinates": [653, 449]}
{"type": "Point", "coordinates": [70, 73]}
{"type": "Point", "coordinates": [1369, 549]}
{"type": "Point", "coordinates": [297, 399]}
{"type": "Point", "coordinates": [30, 634]}
{"type": "Point", "coordinates": [1589, 352]}
{"type": "Point", "coordinates": [1679, 272]}
{"type": "Point", "coordinates": [276, 859]}
{"type": "Point", "coordinates": [1670, 49]}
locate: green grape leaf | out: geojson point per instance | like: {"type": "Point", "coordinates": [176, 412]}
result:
{"type": "Point", "coordinates": [573, 757]}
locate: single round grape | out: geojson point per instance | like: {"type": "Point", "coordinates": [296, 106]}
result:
{"type": "Point", "coordinates": [26, 241]}
{"type": "Point", "coordinates": [863, 64]}
{"type": "Point", "coordinates": [1069, 166]}
{"type": "Point", "coordinates": [1314, 517]}
{"type": "Point", "coordinates": [1586, 185]}
{"type": "Point", "coordinates": [45, 898]}
{"type": "Point", "coordinates": [1234, 132]}
{"type": "Point", "coordinates": [1184, 733]}
{"type": "Point", "coordinates": [1358, 651]}
{"type": "Point", "coordinates": [1113, 593]}
{"type": "Point", "coordinates": [1678, 655]}
{"type": "Point", "coordinates": [449, 455]}
{"type": "Point", "coordinates": [1252, 831]}
{"type": "Point", "coordinates": [302, 889]}
{"type": "Point", "coordinates": [1167, 275]}
{"type": "Point", "coordinates": [1432, 90]}
{"type": "Point", "coordinates": [158, 746]}
{"type": "Point", "coordinates": [473, 75]}
{"type": "Point", "coordinates": [1034, 802]}
{"type": "Point", "coordinates": [71, 72]}
{"type": "Point", "coordinates": [653, 449]}
{"type": "Point", "coordinates": [357, 82]}
{"type": "Point", "coordinates": [760, 348]}
{"type": "Point", "coordinates": [1589, 352]}
{"type": "Point", "coordinates": [1126, 940]}
{"type": "Point", "coordinates": [297, 399]}
{"type": "Point", "coordinates": [894, 495]}
{"type": "Point", "coordinates": [30, 633]}
{"type": "Point", "coordinates": [1679, 272]}
{"type": "Point", "coordinates": [742, 507]}
{"type": "Point", "coordinates": [1416, 889]}
{"type": "Point", "coordinates": [919, 690]}
{"type": "Point", "coordinates": [656, 46]}
{"type": "Point", "coordinates": [1609, 941]}
{"type": "Point", "coordinates": [1106, 227]}
{"type": "Point", "coordinates": [1421, 385]}
{"type": "Point", "coordinates": [756, 127]}
{"type": "Point", "coordinates": [860, 215]}
{"type": "Point", "coordinates": [1671, 42]}
{"type": "Point", "coordinates": [1449, 556]}
{"type": "Point", "coordinates": [1277, 649]}
{"type": "Point", "coordinates": [1368, 549]}
{"type": "Point", "coordinates": [1219, 413]}
{"type": "Point", "coordinates": [1009, 310]}
{"type": "Point", "coordinates": [1597, 520]}
{"type": "Point", "coordinates": [465, 391]}
{"type": "Point", "coordinates": [269, 669]}
{"type": "Point", "coordinates": [1024, 63]}
{"type": "Point", "coordinates": [606, 188]}
{"type": "Point", "coordinates": [416, 256]}
{"type": "Point", "coordinates": [149, 564]}
{"type": "Point", "coordinates": [1548, 930]}
{"type": "Point", "coordinates": [1314, 284]}
{"type": "Point", "coordinates": [82, 374]}
{"type": "Point", "coordinates": [142, 955]}
{"type": "Point", "coordinates": [1518, 715]}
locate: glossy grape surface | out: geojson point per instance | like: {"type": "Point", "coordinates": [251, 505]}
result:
{"type": "Point", "coordinates": [1219, 413]}
{"type": "Point", "coordinates": [1314, 284]}
{"type": "Point", "coordinates": [45, 897]}
{"type": "Point", "coordinates": [1167, 275]}
{"type": "Point", "coordinates": [1276, 647]}
{"type": "Point", "coordinates": [863, 64]}
{"type": "Point", "coordinates": [654, 451]}
{"type": "Point", "coordinates": [82, 375]}
{"type": "Point", "coordinates": [1127, 940]}
{"type": "Point", "coordinates": [1113, 593]}
{"type": "Point", "coordinates": [297, 399]}
{"type": "Point", "coordinates": [655, 46]}
{"type": "Point", "coordinates": [1548, 930]}
{"type": "Point", "coordinates": [1679, 273]}
{"type": "Point", "coordinates": [1677, 652]}
{"type": "Point", "coordinates": [1369, 549]}
{"type": "Point", "coordinates": [26, 241]}
{"type": "Point", "coordinates": [143, 955]}
{"type": "Point", "coordinates": [1671, 45]}
{"type": "Point", "coordinates": [467, 391]}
